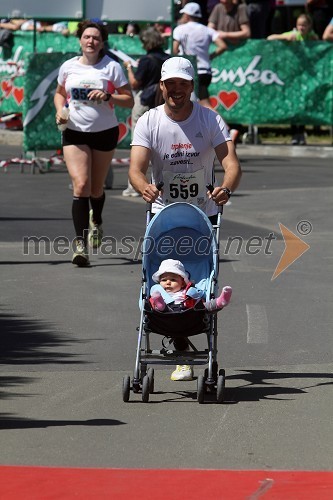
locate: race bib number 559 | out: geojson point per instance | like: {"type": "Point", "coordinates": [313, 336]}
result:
{"type": "Point", "coordinates": [187, 187]}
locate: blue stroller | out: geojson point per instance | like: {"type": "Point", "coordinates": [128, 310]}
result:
{"type": "Point", "coordinates": [179, 231]}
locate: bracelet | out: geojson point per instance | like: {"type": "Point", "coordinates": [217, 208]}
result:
{"type": "Point", "coordinates": [227, 191]}
{"type": "Point", "coordinates": [128, 66]}
{"type": "Point", "coordinates": [108, 96]}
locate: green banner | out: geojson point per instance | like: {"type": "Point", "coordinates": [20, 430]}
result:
{"type": "Point", "coordinates": [40, 129]}
{"type": "Point", "coordinates": [266, 82]}
{"type": "Point", "coordinates": [259, 82]}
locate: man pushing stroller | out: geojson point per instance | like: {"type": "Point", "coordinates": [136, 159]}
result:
{"type": "Point", "coordinates": [180, 139]}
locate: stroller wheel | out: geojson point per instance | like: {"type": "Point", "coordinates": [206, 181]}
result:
{"type": "Point", "coordinates": [209, 386]}
{"type": "Point", "coordinates": [136, 387]}
{"type": "Point", "coordinates": [200, 389]}
{"type": "Point", "coordinates": [126, 388]}
{"type": "Point", "coordinates": [215, 369]}
{"type": "Point", "coordinates": [145, 389]}
{"type": "Point", "coordinates": [150, 374]}
{"type": "Point", "coordinates": [143, 371]}
{"type": "Point", "coordinates": [220, 388]}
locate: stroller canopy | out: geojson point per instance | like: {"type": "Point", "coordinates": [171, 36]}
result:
{"type": "Point", "coordinates": [181, 231]}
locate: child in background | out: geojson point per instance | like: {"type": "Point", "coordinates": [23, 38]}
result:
{"type": "Point", "coordinates": [302, 33]}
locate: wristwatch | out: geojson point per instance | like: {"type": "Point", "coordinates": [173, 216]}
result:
{"type": "Point", "coordinates": [227, 191]}
{"type": "Point", "coordinates": [108, 96]}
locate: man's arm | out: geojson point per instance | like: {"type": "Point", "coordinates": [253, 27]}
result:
{"type": "Point", "coordinates": [134, 83]}
{"type": "Point", "coordinates": [328, 33]}
{"type": "Point", "coordinates": [226, 155]}
{"type": "Point", "coordinates": [221, 47]}
{"type": "Point", "coordinates": [139, 163]}
{"type": "Point", "coordinates": [289, 36]}
{"type": "Point", "coordinates": [235, 36]}
{"type": "Point", "coordinates": [13, 24]}
{"type": "Point", "coordinates": [176, 47]}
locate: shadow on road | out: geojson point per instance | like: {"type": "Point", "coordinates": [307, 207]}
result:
{"type": "Point", "coordinates": [260, 385]}
{"type": "Point", "coordinates": [263, 384]}
{"type": "Point", "coordinates": [27, 341]}
{"type": "Point", "coordinates": [27, 423]}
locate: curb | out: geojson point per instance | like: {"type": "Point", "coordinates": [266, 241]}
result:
{"type": "Point", "coordinates": [11, 137]}
{"type": "Point", "coordinates": [285, 150]}
{"type": "Point", "coordinates": [15, 138]}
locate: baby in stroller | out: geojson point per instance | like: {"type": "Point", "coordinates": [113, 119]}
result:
{"type": "Point", "coordinates": [175, 292]}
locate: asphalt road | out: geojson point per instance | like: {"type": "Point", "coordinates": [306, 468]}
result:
{"type": "Point", "coordinates": [68, 335]}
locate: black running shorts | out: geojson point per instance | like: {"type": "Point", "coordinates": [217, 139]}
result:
{"type": "Point", "coordinates": [203, 84]}
{"type": "Point", "coordinates": [106, 140]}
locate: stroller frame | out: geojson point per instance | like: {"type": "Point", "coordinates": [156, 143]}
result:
{"type": "Point", "coordinates": [143, 375]}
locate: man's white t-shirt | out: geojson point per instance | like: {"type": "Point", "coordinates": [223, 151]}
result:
{"type": "Point", "coordinates": [78, 79]}
{"type": "Point", "coordinates": [182, 154]}
{"type": "Point", "coordinates": [195, 39]}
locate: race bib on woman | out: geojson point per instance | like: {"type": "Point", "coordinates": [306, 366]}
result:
{"type": "Point", "coordinates": [79, 92]}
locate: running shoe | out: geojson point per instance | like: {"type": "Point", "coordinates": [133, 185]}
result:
{"type": "Point", "coordinates": [182, 372]}
{"type": "Point", "coordinates": [130, 191]}
{"type": "Point", "coordinates": [80, 256]}
{"type": "Point", "coordinates": [302, 139]}
{"type": "Point", "coordinates": [95, 234]}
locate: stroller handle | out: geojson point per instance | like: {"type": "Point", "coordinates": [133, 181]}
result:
{"type": "Point", "coordinates": [210, 188]}
{"type": "Point", "coordinates": [159, 186]}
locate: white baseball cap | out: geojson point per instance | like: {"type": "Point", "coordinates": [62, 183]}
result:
{"type": "Point", "coordinates": [177, 67]}
{"type": "Point", "coordinates": [171, 266]}
{"type": "Point", "coordinates": [192, 9]}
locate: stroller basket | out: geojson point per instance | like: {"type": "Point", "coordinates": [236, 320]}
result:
{"type": "Point", "coordinates": [177, 324]}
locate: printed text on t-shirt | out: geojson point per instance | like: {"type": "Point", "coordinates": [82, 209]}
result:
{"type": "Point", "coordinates": [181, 146]}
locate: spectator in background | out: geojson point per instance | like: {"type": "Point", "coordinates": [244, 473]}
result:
{"type": "Point", "coordinates": [7, 28]}
{"type": "Point", "coordinates": [60, 27]}
{"type": "Point", "coordinates": [164, 29]}
{"type": "Point", "coordinates": [302, 32]}
{"type": "Point", "coordinates": [11, 24]}
{"type": "Point", "coordinates": [231, 21]}
{"type": "Point", "coordinates": [259, 12]}
{"type": "Point", "coordinates": [194, 39]}
{"type": "Point", "coordinates": [328, 33]}
{"type": "Point", "coordinates": [210, 6]}
{"type": "Point", "coordinates": [29, 25]}
{"type": "Point", "coordinates": [203, 7]}
{"type": "Point", "coordinates": [132, 29]}
{"type": "Point", "coordinates": [72, 27]}
{"type": "Point", "coordinates": [321, 12]}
